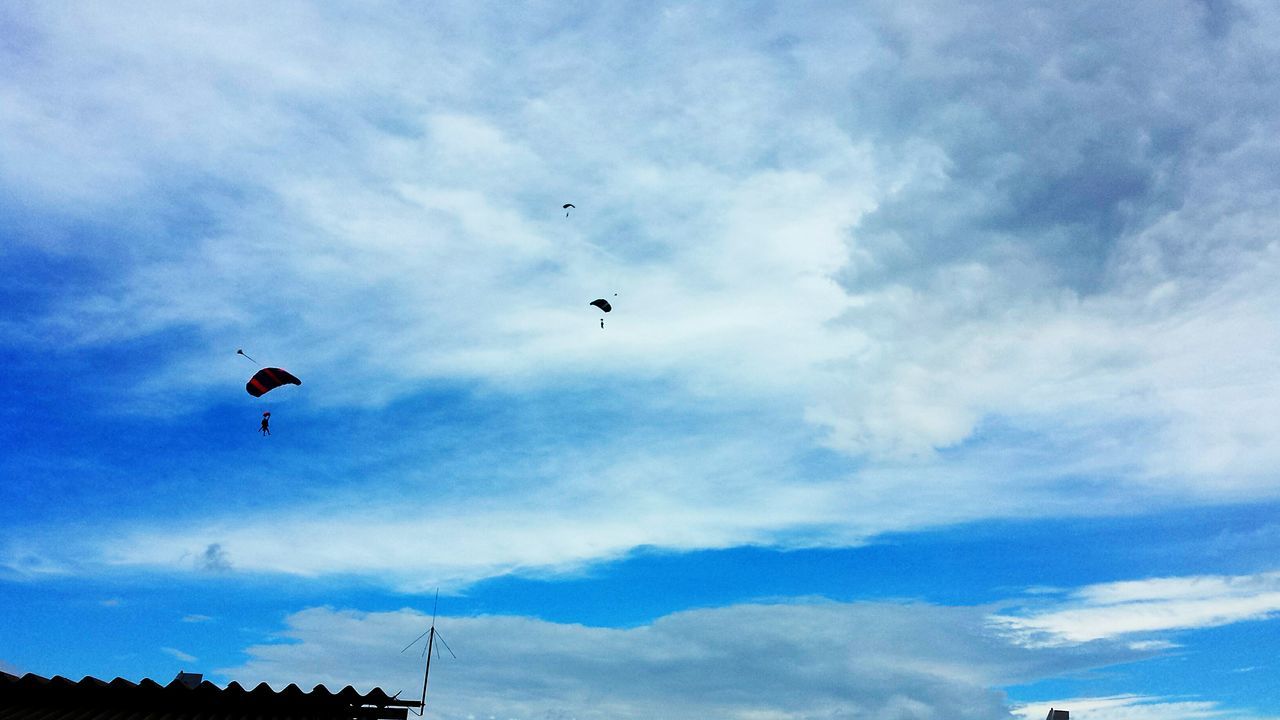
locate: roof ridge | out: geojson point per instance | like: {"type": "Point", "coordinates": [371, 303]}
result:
{"type": "Point", "coordinates": [31, 690]}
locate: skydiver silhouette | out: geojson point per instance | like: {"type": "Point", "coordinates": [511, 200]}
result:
{"type": "Point", "coordinates": [601, 323]}
{"type": "Point", "coordinates": [266, 417]}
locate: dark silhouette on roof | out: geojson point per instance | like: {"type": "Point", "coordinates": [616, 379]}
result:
{"type": "Point", "coordinates": [32, 697]}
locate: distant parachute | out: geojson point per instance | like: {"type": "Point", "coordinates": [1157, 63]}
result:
{"type": "Point", "coordinates": [602, 304]}
{"type": "Point", "coordinates": [268, 379]}
{"type": "Point", "coordinates": [566, 207]}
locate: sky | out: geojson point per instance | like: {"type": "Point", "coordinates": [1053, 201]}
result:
{"type": "Point", "coordinates": [940, 379]}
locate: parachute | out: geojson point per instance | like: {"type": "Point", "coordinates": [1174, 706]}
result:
{"type": "Point", "coordinates": [602, 304]}
{"type": "Point", "coordinates": [566, 207]}
{"type": "Point", "coordinates": [268, 379]}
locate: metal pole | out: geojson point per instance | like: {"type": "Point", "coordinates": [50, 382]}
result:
{"type": "Point", "coordinates": [431, 639]}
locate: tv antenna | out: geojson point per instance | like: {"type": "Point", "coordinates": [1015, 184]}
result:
{"type": "Point", "coordinates": [431, 635]}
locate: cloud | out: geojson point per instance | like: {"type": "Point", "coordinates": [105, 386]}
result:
{"type": "Point", "coordinates": [196, 618]}
{"type": "Point", "coordinates": [213, 559]}
{"type": "Point", "coordinates": [977, 268]}
{"type": "Point", "coordinates": [1134, 707]}
{"type": "Point", "coordinates": [178, 654]}
{"type": "Point", "coordinates": [1055, 221]}
{"type": "Point", "coordinates": [805, 660]}
{"type": "Point", "coordinates": [1135, 607]}
{"type": "Point", "coordinates": [584, 508]}
{"type": "Point", "coordinates": [565, 516]}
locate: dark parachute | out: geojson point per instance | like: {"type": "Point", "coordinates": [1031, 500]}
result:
{"type": "Point", "coordinates": [602, 304]}
{"type": "Point", "coordinates": [268, 379]}
{"type": "Point", "coordinates": [566, 207]}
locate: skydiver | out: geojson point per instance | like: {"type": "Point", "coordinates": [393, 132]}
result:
{"type": "Point", "coordinates": [601, 323]}
{"type": "Point", "coordinates": [266, 417]}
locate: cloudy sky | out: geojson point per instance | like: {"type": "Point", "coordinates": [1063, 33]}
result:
{"type": "Point", "coordinates": [941, 376]}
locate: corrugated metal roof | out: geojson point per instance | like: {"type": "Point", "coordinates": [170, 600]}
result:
{"type": "Point", "coordinates": [32, 697]}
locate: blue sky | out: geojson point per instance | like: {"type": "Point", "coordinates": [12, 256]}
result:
{"type": "Point", "coordinates": [941, 376]}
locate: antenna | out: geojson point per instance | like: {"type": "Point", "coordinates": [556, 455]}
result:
{"type": "Point", "coordinates": [431, 634]}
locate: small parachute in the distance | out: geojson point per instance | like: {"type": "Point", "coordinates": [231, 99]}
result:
{"type": "Point", "coordinates": [268, 379]}
{"type": "Point", "coordinates": [566, 207]}
{"type": "Point", "coordinates": [602, 304]}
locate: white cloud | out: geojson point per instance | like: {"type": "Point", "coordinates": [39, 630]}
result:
{"type": "Point", "coordinates": [823, 660]}
{"type": "Point", "coordinates": [578, 510]}
{"type": "Point", "coordinates": [892, 223]}
{"type": "Point", "coordinates": [1134, 707]}
{"type": "Point", "coordinates": [563, 517]}
{"type": "Point", "coordinates": [196, 618]}
{"type": "Point", "coordinates": [179, 655]}
{"type": "Point", "coordinates": [1115, 610]}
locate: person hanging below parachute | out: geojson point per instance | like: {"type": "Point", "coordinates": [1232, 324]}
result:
{"type": "Point", "coordinates": [263, 382]}
{"type": "Point", "coordinates": [603, 305]}
{"type": "Point", "coordinates": [566, 207]}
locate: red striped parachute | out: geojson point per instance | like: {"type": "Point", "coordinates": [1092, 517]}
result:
{"type": "Point", "coordinates": [268, 379]}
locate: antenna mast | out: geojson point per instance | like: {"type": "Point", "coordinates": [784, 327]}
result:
{"type": "Point", "coordinates": [431, 636]}
{"type": "Point", "coordinates": [426, 675]}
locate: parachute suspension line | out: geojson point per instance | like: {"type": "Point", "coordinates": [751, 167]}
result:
{"type": "Point", "coordinates": [241, 352]}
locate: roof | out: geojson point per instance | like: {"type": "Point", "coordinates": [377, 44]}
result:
{"type": "Point", "coordinates": [32, 697]}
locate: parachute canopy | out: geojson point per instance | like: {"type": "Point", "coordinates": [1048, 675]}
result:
{"type": "Point", "coordinates": [268, 379]}
{"type": "Point", "coordinates": [566, 206]}
{"type": "Point", "coordinates": [602, 304]}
